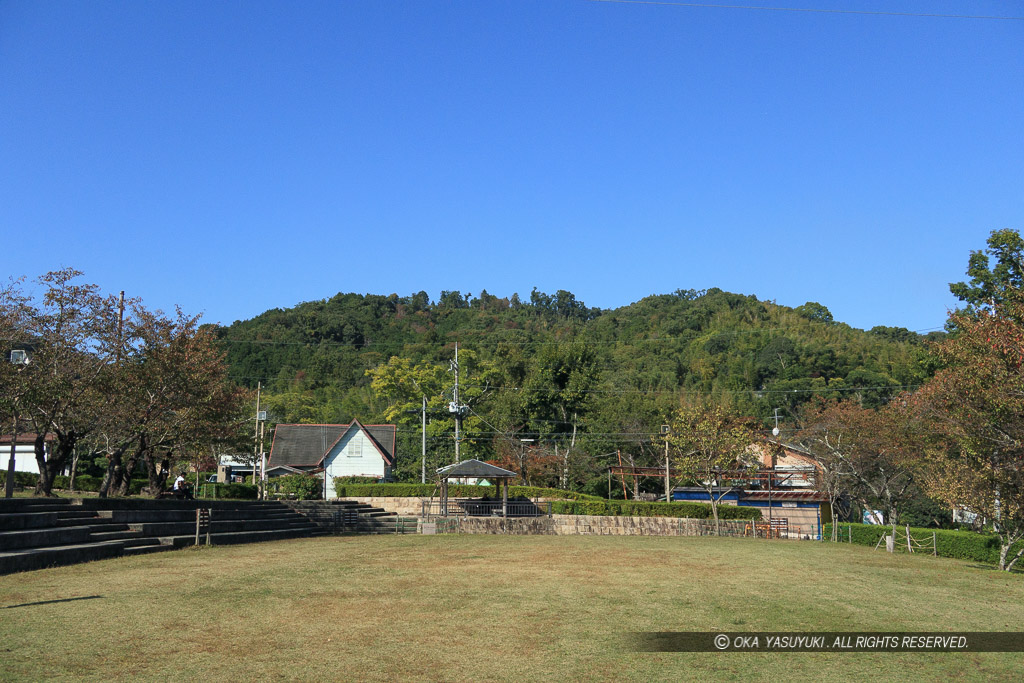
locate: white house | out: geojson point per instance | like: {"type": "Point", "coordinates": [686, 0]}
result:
{"type": "Point", "coordinates": [335, 450]}
{"type": "Point", "coordinates": [24, 452]}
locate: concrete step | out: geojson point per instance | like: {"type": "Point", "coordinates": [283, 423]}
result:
{"type": "Point", "coordinates": [45, 506]}
{"type": "Point", "coordinates": [155, 547]}
{"type": "Point", "coordinates": [142, 516]}
{"type": "Point", "coordinates": [174, 504]}
{"type": "Point", "coordinates": [91, 520]}
{"type": "Point", "coordinates": [32, 504]}
{"type": "Point", "coordinates": [49, 537]}
{"type": "Point", "coordinates": [119, 535]}
{"type": "Point", "coordinates": [76, 513]}
{"type": "Point", "coordinates": [37, 558]}
{"type": "Point", "coordinates": [217, 526]}
{"type": "Point", "coordinates": [229, 538]}
{"type": "Point", "coordinates": [16, 521]}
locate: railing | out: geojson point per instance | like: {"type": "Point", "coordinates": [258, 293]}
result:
{"type": "Point", "coordinates": [774, 528]}
{"type": "Point", "coordinates": [486, 508]}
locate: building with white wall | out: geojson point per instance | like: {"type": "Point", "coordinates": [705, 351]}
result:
{"type": "Point", "coordinates": [24, 452]}
{"type": "Point", "coordinates": [335, 450]}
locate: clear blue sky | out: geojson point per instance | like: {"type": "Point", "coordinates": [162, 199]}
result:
{"type": "Point", "coordinates": [232, 157]}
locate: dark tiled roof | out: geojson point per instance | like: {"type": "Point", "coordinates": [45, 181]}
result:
{"type": "Point", "coordinates": [474, 468]}
{"type": "Point", "coordinates": [305, 445]}
{"type": "Point", "coordinates": [25, 438]}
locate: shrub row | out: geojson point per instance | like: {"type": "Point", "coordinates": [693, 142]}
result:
{"type": "Point", "coordinates": [356, 480]}
{"type": "Point", "coordinates": [300, 486]}
{"type": "Point", "coordinates": [962, 545]}
{"type": "Point", "coordinates": [346, 490]}
{"type": "Point", "coordinates": [84, 482]}
{"type": "Point", "coordinates": [618, 508]}
{"type": "Point", "coordinates": [235, 491]}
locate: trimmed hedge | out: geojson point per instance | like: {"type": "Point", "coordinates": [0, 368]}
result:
{"type": "Point", "coordinates": [84, 482]}
{"type": "Point", "coordinates": [618, 508]}
{"type": "Point", "coordinates": [356, 480]}
{"type": "Point", "coordinates": [345, 490]}
{"type": "Point", "coordinates": [961, 545]}
{"type": "Point", "coordinates": [300, 486]}
{"type": "Point", "coordinates": [234, 491]}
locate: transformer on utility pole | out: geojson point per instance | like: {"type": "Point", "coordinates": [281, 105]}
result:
{"type": "Point", "coordinates": [456, 408]}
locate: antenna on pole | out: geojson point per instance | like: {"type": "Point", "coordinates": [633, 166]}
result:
{"type": "Point", "coordinates": [455, 407]}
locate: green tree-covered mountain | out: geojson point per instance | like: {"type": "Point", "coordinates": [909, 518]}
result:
{"type": "Point", "coordinates": [583, 381]}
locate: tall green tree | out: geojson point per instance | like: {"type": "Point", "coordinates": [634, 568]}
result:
{"type": "Point", "coordinates": [705, 443]}
{"type": "Point", "coordinates": [993, 272]}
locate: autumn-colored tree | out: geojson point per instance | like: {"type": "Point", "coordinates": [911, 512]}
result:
{"type": "Point", "coordinates": [975, 405]}
{"type": "Point", "coordinates": [71, 338]}
{"type": "Point", "coordinates": [705, 443]}
{"type": "Point", "coordinates": [172, 395]}
{"type": "Point", "coordinates": [862, 451]}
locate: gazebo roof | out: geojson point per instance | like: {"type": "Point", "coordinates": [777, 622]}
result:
{"type": "Point", "coordinates": [475, 468]}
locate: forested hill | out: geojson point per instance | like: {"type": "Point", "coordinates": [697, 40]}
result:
{"type": "Point", "coordinates": [547, 366]}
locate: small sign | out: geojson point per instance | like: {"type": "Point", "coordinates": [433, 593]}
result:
{"type": "Point", "coordinates": [261, 416]}
{"type": "Point", "coordinates": [873, 517]}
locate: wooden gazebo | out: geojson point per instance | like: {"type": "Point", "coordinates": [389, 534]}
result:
{"type": "Point", "coordinates": [475, 469]}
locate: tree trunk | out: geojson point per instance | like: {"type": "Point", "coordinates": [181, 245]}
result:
{"type": "Point", "coordinates": [112, 478]}
{"type": "Point", "coordinates": [125, 485]}
{"type": "Point", "coordinates": [1006, 541]}
{"type": "Point", "coordinates": [157, 476]}
{"type": "Point", "coordinates": [74, 470]}
{"type": "Point", "coordinates": [714, 510]}
{"type": "Point", "coordinates": [50, 468]}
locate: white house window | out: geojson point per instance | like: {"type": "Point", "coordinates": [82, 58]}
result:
{"type": "Point", "coordinates": [355, 448]}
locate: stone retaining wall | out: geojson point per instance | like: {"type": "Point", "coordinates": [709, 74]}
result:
{"type": "Point", "coordinates": [592, 525]}
{"type": "Point", "coordinates": [405, 507]}
{"type": "Point", "coordinates": [567, 525]}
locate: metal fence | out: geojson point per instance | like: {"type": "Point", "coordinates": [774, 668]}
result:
{"type": "Point", "coordinates": [486, 508]}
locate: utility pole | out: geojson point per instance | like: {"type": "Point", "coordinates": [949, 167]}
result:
{"type": "Point", "coordinates": [771, 471]}
{"type": "Point", "coordinates": [668, 492]}
{"type": "Point", "coordinates": [423, 474]}
{"type": "Point", "coordinates": [256, 435]}
{"type": "Point", "coordinates": [9, 482]}
{"type": "Point", "coordinates": [120, 326]}
{"type": "Point", "coordinates": [455, 407]}
{"type": "Point", "coordinates": [262, 491]}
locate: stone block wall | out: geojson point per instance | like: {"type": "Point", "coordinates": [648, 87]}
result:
{"type": "Point", "coordinates": [404, 507]}
{"type": "Point", "coordinates": [566, 525]}
{"type": "Point", "coordinates": [587, 525]}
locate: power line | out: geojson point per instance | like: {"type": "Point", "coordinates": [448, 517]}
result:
{"type": "Point", "coordinates": [575, 339]}
{"type": "Point", "coordinates": [812, 10]}
{"type": "Point", "coordinates": [688, 392]}
{"type": "Point", "coordinates": [683, 392]}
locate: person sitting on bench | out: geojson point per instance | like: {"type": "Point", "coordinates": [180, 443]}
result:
{"type": "Point", "coordinates": [180, 489]}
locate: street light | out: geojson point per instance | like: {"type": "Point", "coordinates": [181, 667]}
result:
{"type": "Point", "coordinates": [522, 457]}
{"type": "Point", "coordinates": [18, 357]}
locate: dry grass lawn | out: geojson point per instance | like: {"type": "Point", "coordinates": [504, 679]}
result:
{"type": "Point", "coordinates": [480, 608]}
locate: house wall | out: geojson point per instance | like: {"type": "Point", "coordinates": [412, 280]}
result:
{"type": "Point", "coordinates": [805, 518]}
{"type": "Point", "coordinates": [355, 456]}
{"type": "Point", "coordinates": [24, 458]}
